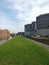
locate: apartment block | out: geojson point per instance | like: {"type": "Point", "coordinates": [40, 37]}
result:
{"type": "Point", "coordinates": [42, 24]}
{"type": "Point", "coordinates": [30, 29]}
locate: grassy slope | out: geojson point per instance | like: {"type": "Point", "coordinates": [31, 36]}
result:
{"type": "Point", "coordinates": [21, 51]}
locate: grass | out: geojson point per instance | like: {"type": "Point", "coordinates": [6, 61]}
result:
{"type": "Point", "coordinates": [21, 51]}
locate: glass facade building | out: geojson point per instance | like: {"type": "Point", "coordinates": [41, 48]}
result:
{"type": "Point", "coordinates": [30, 29]}
{"type": "Point", "coordinates": [42, 21]}
{"type": "Point", "coordinates": [42, 24]}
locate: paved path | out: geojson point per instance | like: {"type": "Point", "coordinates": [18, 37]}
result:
{"type": "Point", "coordinates": [2, 42]}
{"type": "Point", "coordinates": [41, 44]}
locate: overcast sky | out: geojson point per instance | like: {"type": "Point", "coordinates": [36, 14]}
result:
{"type": "Point", "coordinates": [14, 14]}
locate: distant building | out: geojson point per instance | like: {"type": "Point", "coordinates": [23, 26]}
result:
{"type": "Point", "coordinates": [30, 29]}
{"type": "Point", "coordinates": [4, 34]}
{"type": "Point", "coordinates": [42, 24]}
{"type": "Point", "coordinates": [20, 33]}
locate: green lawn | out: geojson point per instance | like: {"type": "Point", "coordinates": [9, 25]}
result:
{"type": "Point", "coordinates": [21, 51]}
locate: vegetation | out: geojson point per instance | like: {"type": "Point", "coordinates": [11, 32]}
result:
{"type": "Point", "coordinates": [21, 51]}
{"type": "Point", "coordinates": [12, 34]}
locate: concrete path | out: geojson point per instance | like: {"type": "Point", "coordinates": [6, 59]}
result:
{"type": "Point", "coordinates": [41, 44]}
{"type": "Point", "coordinates": [2, 42]}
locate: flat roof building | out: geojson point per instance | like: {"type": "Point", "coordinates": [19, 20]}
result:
{"type": "Point", "coordinates": [30, 29]}
{"type": "Point", "coordinates": [42, 24]}
{"type": "Point", "coordinates": [20, 33]}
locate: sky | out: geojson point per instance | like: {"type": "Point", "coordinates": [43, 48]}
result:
{"type": "Point", "coordinates": [14, 14]}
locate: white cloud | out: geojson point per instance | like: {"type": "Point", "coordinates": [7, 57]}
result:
{"type": "Point", "coordinates": [41, 1]}
{"type": "Point", "coordinates": [27, 11]}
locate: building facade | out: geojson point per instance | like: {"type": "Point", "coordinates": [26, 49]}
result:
{"type": "Point", "coordinates": [42, 24]}
{"type": "Point", "coordinates": [4, 34]}
{"type": "Point", "coordinates": [30, 29]}
{"type": "Point", "coordinates": [33, 28]}
{"type": "Point", "coordinates": [20, 33]}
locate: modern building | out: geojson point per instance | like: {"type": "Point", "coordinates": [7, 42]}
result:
{"type": "Point", "coordinates": [30, 29]}
{"type": "Point", "coordinates": [33, 28]}
{"type": "Point", "coordinates": [42, 24]}
{"type": "Point", "coordinates": [20, 33]}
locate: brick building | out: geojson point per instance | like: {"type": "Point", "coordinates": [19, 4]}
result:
{"type": "Point", "coordinates": [4, 34]}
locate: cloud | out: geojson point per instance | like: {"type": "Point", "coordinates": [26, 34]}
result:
{"type": "Point", "coordinates": [17, 13]}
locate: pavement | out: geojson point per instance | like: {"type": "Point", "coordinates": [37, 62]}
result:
{"type": "Point", "coordinates": [2, 42]}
